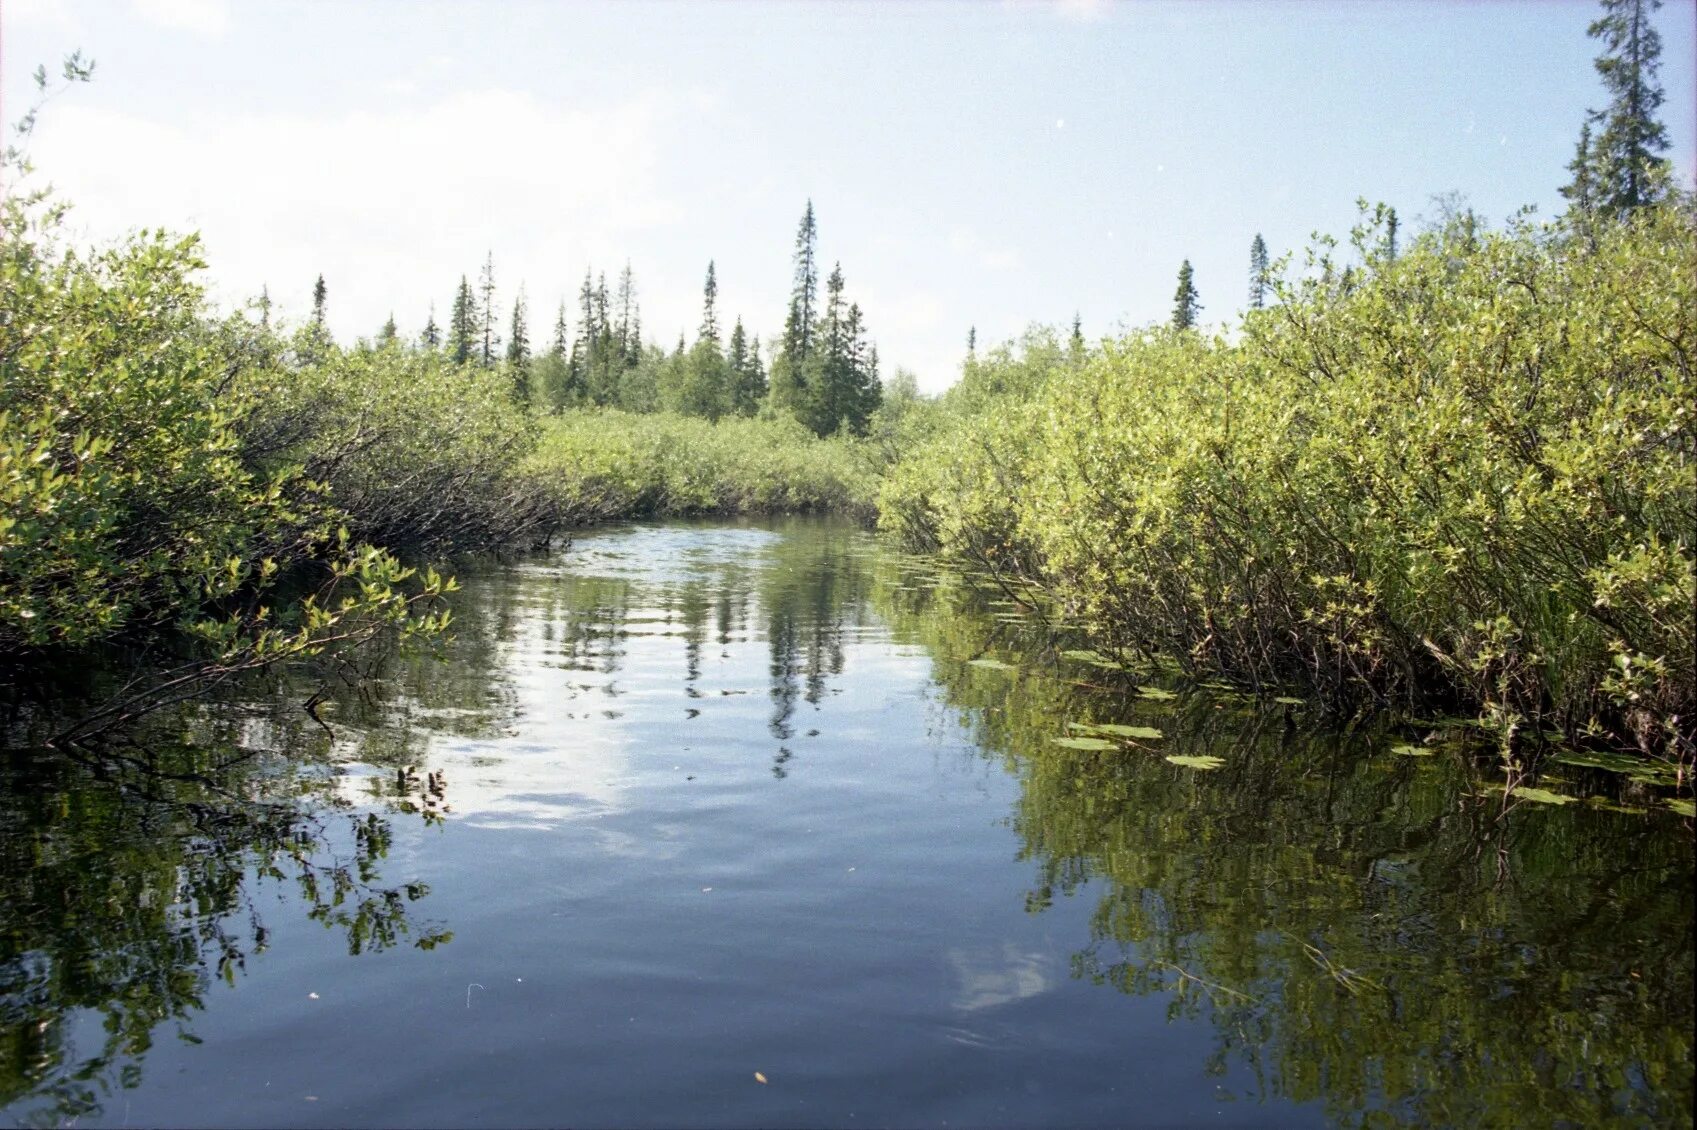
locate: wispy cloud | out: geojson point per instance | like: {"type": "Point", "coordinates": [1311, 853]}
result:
{"type": "Point", "coordinates": [381, 201]}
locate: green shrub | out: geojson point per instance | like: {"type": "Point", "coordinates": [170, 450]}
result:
{"type": "Point", "coordinates": [601, 464]}
{"type": "Point", "coordinates": [125, 502]}
{"type": "Point", "coordinates": [1463, 476]}
{"type": "Point", "coordinates": [415, 453]}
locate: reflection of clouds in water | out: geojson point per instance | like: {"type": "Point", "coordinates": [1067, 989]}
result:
{"type": "Point", "coordinates": [988, 979]}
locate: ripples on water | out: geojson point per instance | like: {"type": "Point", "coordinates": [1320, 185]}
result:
{"type": "Point", "coordinates": [688, 803]}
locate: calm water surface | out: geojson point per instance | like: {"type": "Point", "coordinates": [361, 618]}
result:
{"type": "Point", "coordinates": [684, 804]}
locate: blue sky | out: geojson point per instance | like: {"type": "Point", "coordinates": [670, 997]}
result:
{"type": "Point", "coordinates": [988, 164]}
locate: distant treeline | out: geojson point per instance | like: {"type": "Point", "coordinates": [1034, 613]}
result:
{"type": "Point", "coordinates": [823, 371]}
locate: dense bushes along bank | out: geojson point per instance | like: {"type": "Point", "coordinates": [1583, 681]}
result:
{"type": "Point", "coordinates": [1459, 477]}
{"type": "Point", "coordinates": [163, 470]}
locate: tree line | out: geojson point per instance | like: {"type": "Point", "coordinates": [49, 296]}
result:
{"type": "Point", "coordinates": [823, 372]}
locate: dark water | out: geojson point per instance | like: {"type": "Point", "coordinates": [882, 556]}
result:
{"type": "Point", "coordinates": [689, 803]}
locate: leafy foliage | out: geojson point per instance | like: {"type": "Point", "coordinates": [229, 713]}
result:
{"type": "Point", "coordinates": [1465, 475]}
{"type": "Point", "coordinates": [595, 465]}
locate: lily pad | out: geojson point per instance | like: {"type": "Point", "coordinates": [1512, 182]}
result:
{"type": "Point", "coordinates": [1197, 761]}
{"type": "Point", "coordinates": [1595, 759]}
{"type": "Point", "coordinates": [992, 664]}
{"type": "Point", "coordinates": [1411, 751]}
{"type": "Point", "coordinates": [1542, 796]}
{"type": "Point", "coordinates": [1084, 743]}
{"type": "Point", "coordinates": [1147, 733]}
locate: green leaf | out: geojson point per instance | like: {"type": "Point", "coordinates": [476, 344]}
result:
{"type": "Point", "coordinates": [1146, 732]}
{"type": "Point", "coordinates": [1411, 751]}
{"type": "Point", "coordinates": [1542, 796]}
{"type": "Point", "coordinates": [991, 664]}
{"type": "Point", "coordinates": [1197, 761]}
{"type": "Point", "coordinates": [1084, 743]}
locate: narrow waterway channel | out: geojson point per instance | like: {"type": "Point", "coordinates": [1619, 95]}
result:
{"type": "Point", "coordinates": [762, 825]}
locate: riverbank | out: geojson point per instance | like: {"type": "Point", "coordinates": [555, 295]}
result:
{"type": "Point", "coordinates": [1455, 479]}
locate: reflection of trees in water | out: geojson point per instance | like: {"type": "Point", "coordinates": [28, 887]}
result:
{"type": "Point", "coordinates": [1369, 934]}
{"type": "Point", "coordinates": [799, 592]}
{"type": "Point", "coordinates": [131, 883]}
{"type": "Point", "coordinates": [811, 588]}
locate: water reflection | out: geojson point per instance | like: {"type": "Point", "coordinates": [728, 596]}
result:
{"type": "Point", "coordinates": [133, 881]}
{"type": "Point", "coordinates": [1366, 931]}
{"type": "Point", "coordinates": [770, 789]}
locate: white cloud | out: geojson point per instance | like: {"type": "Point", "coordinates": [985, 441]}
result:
{"type": "Point", "coordinates": [210, 18]}
{"type": "Point", "coordinates": [987, 979]}
{"type": "Point", "coordinates": [390, 204]}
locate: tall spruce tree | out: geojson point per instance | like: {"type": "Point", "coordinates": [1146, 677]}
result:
{"type": "Point", "coordinates": [1625, 168]}
{"type": "Point", "coordinates": [1257, 273]}
{"type": "Point", "coordinates": [804, 292]}
{"type": "Point", "coordinates": [265, 307]}
{"type": "Point", "coordinates": [1185, 301]}
{"type": "Point", "coordinates": [709, 314]}
{"type": "Point", "coordinates": [1075, 343]}
{"type": "Point", "coordinates": [320, 296]}
{"type": "Point", "coordinates": [792, 369]}
{"type": "Point", "coordinates": [389, 334]}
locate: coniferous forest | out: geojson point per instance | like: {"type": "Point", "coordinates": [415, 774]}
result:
{"type": "Point", "coordinates": [1432, 478]}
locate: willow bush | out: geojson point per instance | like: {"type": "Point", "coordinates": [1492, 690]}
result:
{"type": "Point", "coordinates": [127, 503]}
{"type": "Point", "coordinates": [1462, 477]}
{"type": "Point", "coordinates": [600, 464]}
{"type": "Point", "coordinates": [417, 454]}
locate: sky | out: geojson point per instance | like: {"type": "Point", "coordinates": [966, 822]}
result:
{"type": "Point", "coordinates": [985, 164]}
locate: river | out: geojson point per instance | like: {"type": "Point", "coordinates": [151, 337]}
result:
{"type": "Point", "coordinates": [761, 824]}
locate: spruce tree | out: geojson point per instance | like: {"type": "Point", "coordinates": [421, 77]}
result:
{"type": "Point", "coordinates": [431, 338]}
{"type": "Point", "coordinates": [319, 301]}
{"type": "Point", "coordinates": [804, 292]}
{"type": "Point", "coordinates": [709, 315]}
{"type": "Point", "coordinates": [1185, 304]}
{"type": "Point", "coordinates": [1581, 191]}
{"type": "Point", "coordinates": [628, 333]}
{"type": "Point", "coordinates": [745, 393]}
{"type": "Point", "coordinates": [1075, 344]}
{"type": "Point", "coordinates": [790, 390]}
{"type": "Point", "coordinates": [1257, 273]}
{"type": "Point", "coordinates": [561, 344]}
{"type": "Point", "coordinates": [486, 312]}
{"type": "Point", "coordinates": [462, 325]}
{"type": "Point", "coordinates": [265, 307]}
{"type": "Point", "coordinates": [518, 351]}
{"type": "Point", "coordinates": [1625, 166]}
{"type": "Point", "coordinates": [388, 335]}
{"type": "Point", "coordinates": [971, 343]}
